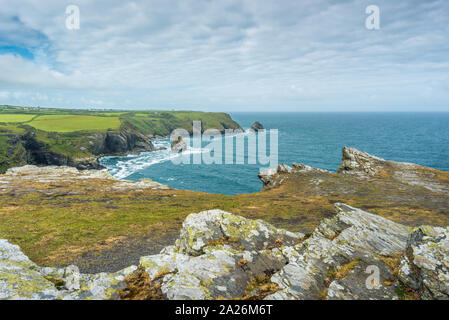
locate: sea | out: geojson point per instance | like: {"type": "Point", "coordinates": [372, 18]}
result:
{"type": "Point", "coordinates": [314, 139]}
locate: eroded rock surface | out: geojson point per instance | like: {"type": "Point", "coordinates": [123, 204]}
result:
{"type": "Point", "coordinates": [274, 177]}
{"type": "Point", "coordinates": [425, 266]}
{"type": "Point", "coordinates": [217, 254]}
{"type": "Point", "coordinates": [21, 279]}
{"type": "Point", "coordinates": [343, 246]}
{"type": "Point", "coordinates": [20, 178]}
{"type": "Point", "coordinates": [353, 255]}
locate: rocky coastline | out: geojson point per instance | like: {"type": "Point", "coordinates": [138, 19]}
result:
{"type": "Point", "coordinates": [108, 143]}
{"type": "Point", "coordinates": [351, 254]}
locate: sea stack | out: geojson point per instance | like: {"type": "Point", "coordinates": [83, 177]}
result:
{"type": "Point", "coordinates": [179, 145]}
{"type": "Point", "coordinates": [257, 126]}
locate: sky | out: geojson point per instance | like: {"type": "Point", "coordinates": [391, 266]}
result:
{"type": "Point", "coordinates": [226, 55]}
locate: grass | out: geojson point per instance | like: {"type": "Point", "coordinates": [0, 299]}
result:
{"type": "Point", "coordinates": [16, 117]}
{"type": "Point", "coordinates": [71, 123]}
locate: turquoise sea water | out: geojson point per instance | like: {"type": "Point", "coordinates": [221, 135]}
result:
{"type": "Point", "coordinates": [314, 139]}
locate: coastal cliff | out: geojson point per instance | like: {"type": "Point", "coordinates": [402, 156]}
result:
{"type": "Point", "coordinates": [78, 138]}
{"type": "Point", "coordinates": [111, 143]}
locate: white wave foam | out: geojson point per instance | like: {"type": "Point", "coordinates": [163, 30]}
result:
{"type": "Point", "coordinates": [130, 164]}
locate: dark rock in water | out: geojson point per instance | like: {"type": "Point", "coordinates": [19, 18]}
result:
{"type": "Point", "coordinates": [257, 126]}
{"type": "Point", "coordinates": [179, 145]}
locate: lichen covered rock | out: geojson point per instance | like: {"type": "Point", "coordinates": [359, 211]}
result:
{"type": "Point", "coordinates": [202, 229]}
{"type": "Point", "coordinates": [355, 161]}
{"type": "Point", "coordinates": [20, 278]}
{"type": "Point", "coordinates": [425, 266]}
{"type": "Point", "coordinates": [217, 254]}
{"type": "Point", "coordinates": [340, 247]}
{"type": "Point", "coordinates": [352, 255]}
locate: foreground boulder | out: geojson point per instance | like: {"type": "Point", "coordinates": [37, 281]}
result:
{"type": "Point", "coordinates": [22, 279]}
{"type": "Point", "coordinates": [333, 262]}
{"type": "Point", "coordinates": [353, 255]}
{"type": "Point", "coordinates": [425, 266]}
{"type": "Point", "coordinates": [217, 255]}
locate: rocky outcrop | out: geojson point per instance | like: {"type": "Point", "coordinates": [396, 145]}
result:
{"type": "Point", "coordinates": [217, 254]}
{"type": "Point", "coordinates": [15, 179]}
{"type": "Point", "coordinates": [20, 278]}
{"type": "Point", "coordinates": [360, 166]}
{"type": "Point", "coordinates": [257, 126]}
{"type": "Point", "coordinates": [336, 261]}
{"type": "Point", "coordinates": [355, 161]}
{"type": "Point", "coordinates": [425, 266]}
{"type": "Point", "coordinates": [179, 145]}
{"type": "Point", "coordinates": [273, 177]}
{"type": "Point", "coordinates": [353, 255]}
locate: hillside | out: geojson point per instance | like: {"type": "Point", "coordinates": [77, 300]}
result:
{"type": "Point", "coordinates": [79, 137]}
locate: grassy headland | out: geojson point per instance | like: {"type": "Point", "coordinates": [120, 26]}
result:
{"type": "Point", "coordinates": [61, 136]}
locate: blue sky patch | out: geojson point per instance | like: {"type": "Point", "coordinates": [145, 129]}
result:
{"type": "Point", "coordinates": [23, 52]}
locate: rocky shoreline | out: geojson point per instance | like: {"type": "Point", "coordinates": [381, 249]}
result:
{"type": "Point", "coordinates": [108, 143]}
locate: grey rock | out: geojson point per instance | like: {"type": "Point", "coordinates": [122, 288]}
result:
{"type": "Point", "coordinates": [218, 254]}
{"type": "Point", "coordinates": [355, 161]}
{"type": "Point", "coordinates": [179, 145]}
{"type": "Point", "coordinates": [352, 237]}
{"type": "Point", "coordinates": [257, 126]}
{"type": "Point", "coordinates": [199, 230]}
{"type": "Point", "coordinates": [425, 266]}
{"type": "Point", "coordinates": [20, 278]}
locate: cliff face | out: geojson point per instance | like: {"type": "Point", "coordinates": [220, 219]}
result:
{"type": "Point", "coordinates": [126, 141]}
{"type": "Point", "coordinates": [354, 255]}
{"type": "Point", "coordinates": [37, 152]}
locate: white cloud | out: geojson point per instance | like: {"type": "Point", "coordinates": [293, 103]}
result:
{"type": "Point", "coordinates": [227, 55]}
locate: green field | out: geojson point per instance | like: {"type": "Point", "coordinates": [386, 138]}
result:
{"type": "Point", "coordinates": [16, 117]}
{"type": "Point", "coordinates": [71, 123]}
